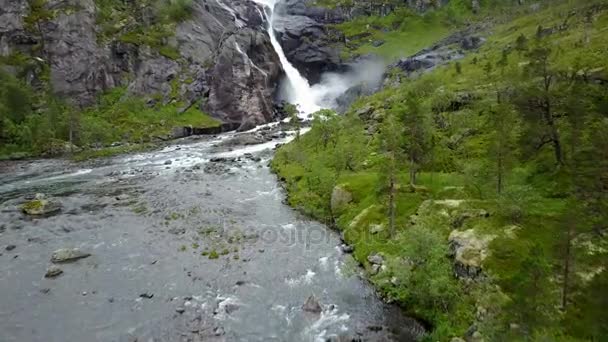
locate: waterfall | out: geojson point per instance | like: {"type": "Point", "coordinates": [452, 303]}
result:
{"type": "Point", "coordinates": [297, 89]}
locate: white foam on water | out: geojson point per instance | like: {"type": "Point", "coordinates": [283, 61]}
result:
{"type": "Point", "coordinates": [303, 279]}
{"type": "Point", "coordinates": [323, 262]}
{"type": "Point", "coordinates": [327, 319]}
{"type": "Point", "coordinates": [289, 226]}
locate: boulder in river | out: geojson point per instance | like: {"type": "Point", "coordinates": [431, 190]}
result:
{"type": "Point", "coordinates": [53, 272]}
{"type": "Point", "coordinates": [41, 206]}
{"type": "Point", "coordinates": [312, 305]}
{"type": "Point", "coordinates": [65, 255]}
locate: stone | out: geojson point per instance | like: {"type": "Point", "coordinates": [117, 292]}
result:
{"type": "Point", "coordinates": [377, 43]}
{"type": "Point", "coordinates": [376, 228]}
{"type": "Point", "coordinates": [41, 206]}
{"type": "Point", "coordinates": [375, 269]}
{"type": "Point", "coordinates": [168, 162]}
{"type": "Point", "coordinates": [469, 249]}
{"type": "Point", "coordinates": [10, 247]}
{"type": "Point", "coordinates": [219, 331]}
{"type": "Point", "coordinates": [375, 259]}
{"type": "Point", "coordinates": [312, 305]}
{"type": "Point", "coordinates": [477, 337]}
{"type": "Point", "coordinates": [53, 271]}
{"type": "Point", "coordinates": [180, 310]}
{"type": "Point", "coordinates": [459, 217]}
{"type": "Point", "coordinates": [340, 198]}
{"type": "Point", "coordinates": [146, 295]}
{"type": "Point", "coordinates": [347, 248]}
{"type": "Point", "coordinates": [65, 255]}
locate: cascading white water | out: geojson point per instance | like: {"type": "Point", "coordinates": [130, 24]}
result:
{"type": "Point", "coordinates": [298, 91]}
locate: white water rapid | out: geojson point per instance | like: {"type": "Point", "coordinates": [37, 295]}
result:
{"type": "Point", "coordinates": [297, 90]}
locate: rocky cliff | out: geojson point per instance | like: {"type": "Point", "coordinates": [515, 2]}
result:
{"type": "Point", "coordinates": [217, 56]}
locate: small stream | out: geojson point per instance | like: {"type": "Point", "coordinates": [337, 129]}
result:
{"type": "Point", "coordinates": [148, 219]}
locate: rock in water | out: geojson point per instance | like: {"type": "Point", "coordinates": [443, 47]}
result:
{"type": "Point", "coordinates": [53, 271]}
{"type": "Point", "coordinates": [41, 206]}
{"type": "Point", "coordinates": [64, 255]}
{"type": "Point", "coordinates": [312, 305]}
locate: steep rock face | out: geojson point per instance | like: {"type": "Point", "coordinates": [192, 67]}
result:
{"type": "Point", "coordinates": [225, 62]}
{"type": "Point", "coordinates": [306, 39]}
{"type": "Point", "coordinates": [80, 68]}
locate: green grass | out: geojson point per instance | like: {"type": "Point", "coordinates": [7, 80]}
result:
{"type": "Point", "coordinates": [526, 219]}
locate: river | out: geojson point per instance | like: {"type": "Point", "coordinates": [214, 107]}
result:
{"type": "Point", "coordinates": [150, 221]}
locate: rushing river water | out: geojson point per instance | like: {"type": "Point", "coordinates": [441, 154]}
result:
{"type": "Point", "coordinates": [147, 225]}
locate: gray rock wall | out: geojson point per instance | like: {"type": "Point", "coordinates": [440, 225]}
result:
{"type": "Point", "coordinates": [227, 63]}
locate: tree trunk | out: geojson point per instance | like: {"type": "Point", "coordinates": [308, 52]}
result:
{"type": "Point", "coordinates": [412, 170]}
{"type": "Point", "coordinates": [391, 203]}
{"type": "Point", "coordinates": [555, 138]}
{"type": "Point", "coordinates": [567, 266]}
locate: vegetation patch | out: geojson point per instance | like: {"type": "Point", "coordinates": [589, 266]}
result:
{"type": "Point", "coordinates": [508, 144]}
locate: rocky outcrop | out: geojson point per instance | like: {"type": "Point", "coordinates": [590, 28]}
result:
{"type": "Point", "coordinates": [307, 40]}
{"type": "Point", "coordinates": [340, 198]}
{"type": "Point", "coordinates": [450, 49]}
{"type": "Point", "coordinates": [469, 249]}
{"type": "Point", "coordinates": [222, 56]}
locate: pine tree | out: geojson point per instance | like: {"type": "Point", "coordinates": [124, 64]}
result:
{"type": "Point", "coordinates": [391, 142]}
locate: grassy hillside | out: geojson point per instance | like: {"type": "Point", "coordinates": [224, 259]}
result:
{"type": "Point", "coordinates": [483, 184]}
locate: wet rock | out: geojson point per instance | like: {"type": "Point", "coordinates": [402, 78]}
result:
{"type": "Point", "coordinates": [168, 162]}
{"type": "Point", "coordinates": [65, 255]}
{"type": "Point", "coordinates": [146, 295]}
{"type": "Point", "coordinates": [122, 197]}
{"type": "Point", "coordinates": [10, 247]}
{"type": "Point", "coordinates": [340, 197]}
{"type": "Point", "coordinates": [471, 42]}
{"type": "Point", "coordinates": [219, 331]}
{"type": "Point", "coordinates": [41, 206]}
{"type": "Point", "coordinates": [230, 308]}
{"type": "Point", "coordinates": [53, 271]}
{"type": "Point", "coordinates": [347, 248]}
{"type": "Point", "coordinates": [177, 230]}
{"type": "Point", "coordinates": [375, 259]}
{"type": "Point", "coordinates": [312, 305]}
